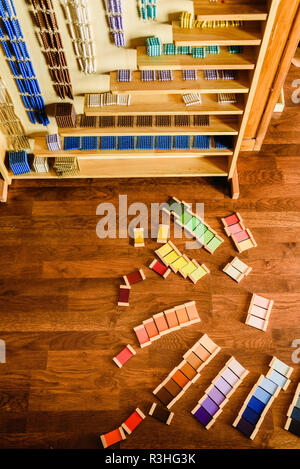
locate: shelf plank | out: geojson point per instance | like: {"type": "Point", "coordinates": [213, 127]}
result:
{"type": "Point", "coordinates": [247, 35]}
{"type": "Point", "coordinates": [153, 104]}
{"type": "Point", "coordinates": [223, 11]}
{"type": "Point", "coordinates": [136, 168]}
{"type": "Point", "coordinates": [218, 126]}
{"type": "Point", "coordinates": [179, 86]}
{"type": "Point", "coordinates": [222, 61]}
{"type": "Point", "coordinates": [41, 150]}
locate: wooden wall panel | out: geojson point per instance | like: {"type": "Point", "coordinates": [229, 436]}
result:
{"type": "Point", "coordinates": [279, 81]}
{"type": "Point", "coordinates": [284, 20]}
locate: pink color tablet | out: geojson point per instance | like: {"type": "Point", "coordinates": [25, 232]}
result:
{"type": "Point", "coordinates": [236, 228]}
{"type": "Point", "coordinates": [124, 356]}
{"type": "Point", "coordinates": [141, 334]}
{"type": "Point", "coordinates": [261, 301]}
{"type": "Point", "coordinates": [258, 312]}
{"type": "Point", "coordinates": [241, 236]}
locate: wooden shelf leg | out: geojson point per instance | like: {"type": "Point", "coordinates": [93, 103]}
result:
{"type": "Point", "coordinates": [235, 187]}
{"type": "Point", "coordinates": [3, 190]}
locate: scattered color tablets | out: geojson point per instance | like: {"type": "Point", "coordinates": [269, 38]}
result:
{"type": "Point", "coordinates": [133, 421]}
{"type": "Point", "coordinates": [161, 413]}
{"type": "Point", "coordinates": [127, 353]}
{"type": "Point", "coordinates": [134, 277]}
{"type": "Point", "coordinates": [124, 295]}
{"type": "Point", "coordinates": [113, 437]}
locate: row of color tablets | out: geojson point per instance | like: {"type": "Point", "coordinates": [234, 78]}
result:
{"type": "Point", "coordinates": [117, 435]}
{"type": "Point", "coordinates": [259, 312]}
{"type": "Point", "coordinates": [241, 236]}
{"type": "Point", "coordinates": [293, 421]}
{"type": "Point", "coordinates": [193, 224]}
{"type": "Point", "coordinates": [237, 269]}
{"type": "Point", "coordinates": [165, 322]}
{"type": "Point", "coordinates": [216, 396]}
{"type": "Point", "coordinates": [261, 397]}
{"type": "Point", "coordinates": [187, 372]}
{"type": "Point", "coordinates": [172, 257]}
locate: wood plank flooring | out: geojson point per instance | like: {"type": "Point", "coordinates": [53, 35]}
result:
{"type": "Point", "coordinates": [58, 292]}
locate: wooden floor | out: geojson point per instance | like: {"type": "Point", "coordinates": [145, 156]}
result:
{"type": "Point", "coordinates": [58, 293]}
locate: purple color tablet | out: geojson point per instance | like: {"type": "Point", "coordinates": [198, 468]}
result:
{"type": "Point", "coordinates": [230, 377]}
{"type": "Point", "coordinates": [216, 395]}
{"type": "Point", "coordinates": [210, 406]}
{"type": "Point", "coordinates": [223, 386]}
{"type": "Point", "coordinates": [245, 427]}
{"type": "Point", "coordinates": [203, 416]}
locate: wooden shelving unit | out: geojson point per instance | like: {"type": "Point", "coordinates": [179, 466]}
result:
{"type": "Point", "coordinates": [158, 98]}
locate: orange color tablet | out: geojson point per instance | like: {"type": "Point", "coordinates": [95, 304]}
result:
{"type": "Point", "coordinates": [180, 379]}
{"type": "Point", "coordinates": [201, 352]}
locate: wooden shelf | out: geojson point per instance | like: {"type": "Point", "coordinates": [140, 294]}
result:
{"type": "Point", "coordinates": [153, 104]}
{"type": "Point", "coordinates": [179, 86]}
{"type": "Point", "coordinates": [136, 168]}
{"type": "Point", "coordinates": [222, 11]}
{"type": "Point", "coordinates": [247, 35]}
{"type": "Point", "coordinates": [218, 126]}
{"type": "Point", "coordinates": [222, 61]}
{"type": "Point", "coordinates": [41, 150]}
